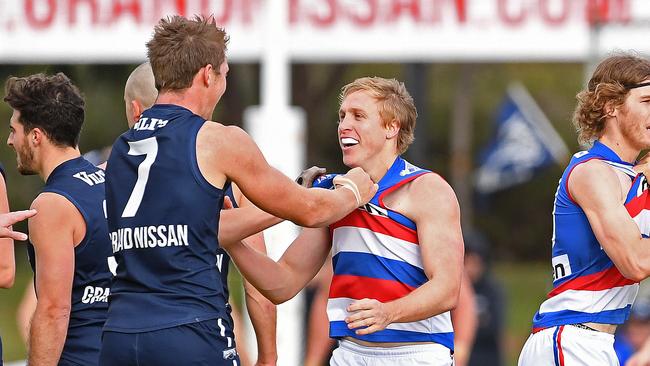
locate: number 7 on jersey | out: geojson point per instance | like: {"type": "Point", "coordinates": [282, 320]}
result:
{"type": "Point", "coordinates": [149, 148]}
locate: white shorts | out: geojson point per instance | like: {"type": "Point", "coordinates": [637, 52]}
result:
{"type": "Point", "coordinates": [428, 354]}
{"type": "Point", "coordinates": [567, 345]}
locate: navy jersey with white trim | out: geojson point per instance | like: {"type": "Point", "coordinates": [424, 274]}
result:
{"type": "Point", "coordinates": [82, 183]}
{"type": "Point", "coordinates": [163, 218]}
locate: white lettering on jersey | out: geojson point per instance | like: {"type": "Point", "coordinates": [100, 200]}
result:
{"type": "Point", "coordinates": [150, 124]}
{"type": "Point", "coordinates": [561, 266]}
{"type": "Point", "coordinates": [94, 294]}
{"type": "Point", "coordinates": [145, 237]}
{"type": "Point", "coordinates": [219, 261]}
{"type": "Point", "coordinates": [92, 178]}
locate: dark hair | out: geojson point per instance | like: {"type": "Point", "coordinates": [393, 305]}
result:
{"type": "Point", "coordinates": [51, 103]}
{"type": "Point", "coordinates": [180, 47]}
{"type": "Point", "coordinates": [609, 84]}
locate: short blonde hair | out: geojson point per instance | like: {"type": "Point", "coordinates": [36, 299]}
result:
{"type": "Point", "coordinates": [395, 102]}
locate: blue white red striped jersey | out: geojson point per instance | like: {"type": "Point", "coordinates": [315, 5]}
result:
{"type": "Point", "coordinates": [587, 286]}
{"type": "Point", "coordinates": [376, 255]}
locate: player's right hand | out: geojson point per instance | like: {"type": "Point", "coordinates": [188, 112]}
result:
{"type": "Point", "coordinates": [367, 188]}
{"type": "Point", "coordinates": [10, 218]}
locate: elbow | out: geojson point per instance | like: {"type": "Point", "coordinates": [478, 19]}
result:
{"type": "Point", "coordinates": [7, 279]}
{"type": "Point", "coordinates": [634, 273]}
{"type": "Point", "coordinates": [54, 310]}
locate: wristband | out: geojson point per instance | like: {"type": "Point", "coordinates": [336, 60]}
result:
{"type": "Point", "coordinates": [349, 184]}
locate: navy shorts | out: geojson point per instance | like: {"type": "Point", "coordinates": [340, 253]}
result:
{"type": "Point", "coordinates": [209, 342]}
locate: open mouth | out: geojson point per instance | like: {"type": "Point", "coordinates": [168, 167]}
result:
{"type": "Point", "coordinates": [349, 142]}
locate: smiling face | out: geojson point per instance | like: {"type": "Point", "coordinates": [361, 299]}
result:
{"type": "Point", "coordinates": [363, 135]}
{"type": "Point", "coordinates": [634, 117]}
{"type": "Point", "coordinates": [19, 141]}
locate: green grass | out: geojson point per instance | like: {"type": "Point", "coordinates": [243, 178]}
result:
{"type": "Point", "coordinates": [526, 286]}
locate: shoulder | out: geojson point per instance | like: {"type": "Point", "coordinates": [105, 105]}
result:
{"type": "Point", "coordinates": [595, 180]}
{"type": "Point", "coordinates": [55, 213]}
{"type": "Point", "coordinates": [432, 187]}
{"type": "Point", "coordinates": [426, 197]}
{"type": "Point", "coordinates": [214, 136]}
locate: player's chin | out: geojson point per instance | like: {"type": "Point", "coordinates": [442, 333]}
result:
{"type": "Point", "coordinates": [349, 160]}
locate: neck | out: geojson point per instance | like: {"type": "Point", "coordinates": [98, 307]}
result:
{"type": "Point", "coordinates": [54, 157]}
{"type": "Point", "coordinates": [378, 167]}
{"type": "Point", "coordinates": [189, 98]}
{"type": "Point", "coordinates": [618, 144]}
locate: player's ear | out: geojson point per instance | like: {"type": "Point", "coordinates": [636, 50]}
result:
{"type": "Point", "coordinates": [208, 75]}
{"type": "Point", "coordinates": [35, 136]}
{"type": "Point", "coordinates": [392, 128]}
{"type": "Point", "coordinates": [136, 110]}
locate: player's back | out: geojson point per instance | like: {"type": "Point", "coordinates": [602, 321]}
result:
{"type": "Point", "coordinates": [82, 183]}
{"type": "Point", "coordinates": [163, 219]}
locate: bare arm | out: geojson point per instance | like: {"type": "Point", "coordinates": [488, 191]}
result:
{"type": "Point", "coordinates": [596, 187]}
{"type": "Point", "coordinates": [641, 357]}
{"type": "Point", "coordinates": [7, 261]}
{"type": "Point", "coordinates": [25, 311]}
{"type": "Point", "coordinates": [465, 320]}
{"type": "Point", "coordinates": [52, 233]}
{"type": "Point", "coordinates": [228, 152]}
{"type": "Point", "coordinates": [282, 280]}
{"type": "Point", "coordinates": [441, 247]}
{"type": "Point", "coordinates": [262, 312]}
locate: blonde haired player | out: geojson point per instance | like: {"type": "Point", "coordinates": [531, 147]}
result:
{"type": "Point", "coordinates": [397, 260]}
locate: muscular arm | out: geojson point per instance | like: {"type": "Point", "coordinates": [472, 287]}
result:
{"type": "Point", "coordinates": [53, 235]}
{"type": "Point", "coordinates": [432, 205]}
{"type": "Point", "coordinates": [7, 262]}
{"type": "Point", "coordinates": [262, 312]}
{"type": "Point", "coordinates": [228, 152]}
{"type": "Point", "coordinates": [597, 188]}
{"type": "Point", "coordinates": [282, 280]}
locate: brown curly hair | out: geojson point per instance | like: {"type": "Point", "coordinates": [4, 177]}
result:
{"type": "Point", "coordinates": [607, 88]}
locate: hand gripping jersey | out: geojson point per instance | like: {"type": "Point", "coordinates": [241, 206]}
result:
{"type": "Point", "coordinates": [587, 286]}
{"type": "Point", "coordinates": [163, 217]}
{"type": "Point", "coordinates": [82, 183]}
{"type": "Point", "coordinates": [376, 255]}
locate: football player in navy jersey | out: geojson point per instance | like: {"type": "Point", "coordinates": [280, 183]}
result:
{"type": "Point", "coordinates": [397, 260]}
{"type": "Point", "coordinates": [166, 179]}
{"type": "Point", "coordinates": [140, 94]}
{"type": "Point", "coordinates": [69, 249]}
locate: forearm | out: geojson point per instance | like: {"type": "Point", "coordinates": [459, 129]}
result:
{"type": "Point", "coordinates": [424, 302]}
{"type": "Point", "coordinates": [239, 223]}
{"type": "Point", "coordinates": [320, 207]}
{"type": "Point", "coordinates": [47, 336]}
{"type": "Point", "coordinates": [269, 277]}
{"type": "Point", "coordinates": [7, 263]}
{"type": "Point", "coordinates": [465, 320]}
{"type": "Point", "coordinates": [263, 316]}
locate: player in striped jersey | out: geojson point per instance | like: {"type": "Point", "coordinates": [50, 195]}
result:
{"type": "Point", "coordinates": [599, 250]}
{"type": "Point", "coordinates": [397, 260]}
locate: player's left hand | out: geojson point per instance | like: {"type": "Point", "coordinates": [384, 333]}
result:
{"type": "Point", "coordinates": [368, 314]}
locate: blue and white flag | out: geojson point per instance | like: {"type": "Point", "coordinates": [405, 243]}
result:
{"type": "Point", "coordinates": [525, 141]}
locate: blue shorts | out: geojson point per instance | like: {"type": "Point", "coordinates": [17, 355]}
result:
{"type": "Point", "coordinates": [210, 342]}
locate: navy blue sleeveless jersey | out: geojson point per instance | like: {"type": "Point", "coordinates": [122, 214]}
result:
{"type": "Point", "coordinates": [223, 259]}
{"type": "Point", "coordinates": [163, 218]}
{"type": "Point", "coordinates": [82, 183]}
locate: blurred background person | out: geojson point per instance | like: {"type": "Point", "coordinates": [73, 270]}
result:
{"type": "Point", "coordinates": [490, 302]}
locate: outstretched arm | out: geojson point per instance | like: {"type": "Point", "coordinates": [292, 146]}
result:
{"type": "Point", "coordinates": [441, 247]}
{"type": "Point", "coordinates": [228, 152]}
{"type": "Point", "coordinates": [280, 281]}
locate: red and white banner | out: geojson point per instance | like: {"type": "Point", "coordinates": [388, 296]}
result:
{"type": "Point", "coordinates": [320, 30]}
